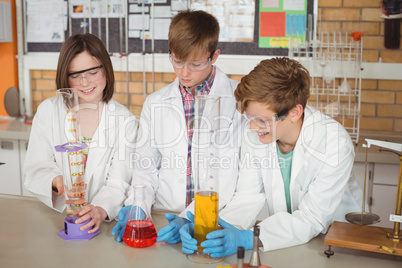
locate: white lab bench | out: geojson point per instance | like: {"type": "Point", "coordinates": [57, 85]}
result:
{"type": "Point", "coordinates": [14, 136]}
{"type": "Point", "coordinates": [29, 239]}
{"type": "Point", "coordinates": [29, 228]}
{"type": "Point", "coordinates": [382, 168]}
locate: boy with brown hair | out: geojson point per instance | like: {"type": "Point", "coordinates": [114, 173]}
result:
{"type": "Point", "coordinates": [163, 160]}
{"type": "Point", "coordinates": [302, 166]}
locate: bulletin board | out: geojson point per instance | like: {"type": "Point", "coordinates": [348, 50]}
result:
{"type": "Point", "coordinates": [272, 24]}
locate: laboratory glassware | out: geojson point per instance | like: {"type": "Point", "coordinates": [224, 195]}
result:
{"type": "Point", "coordinates": [255, 261]}
{"type": "Point", "coordinates": [205, 164]}
{"type": "Point", "coordinates": [334, 61]}
{"type": "Point", "coordinates": [70, 147]}
{"type": "Point", "coordinates": [240, 257]}
{"type": "Point", "coordinates": [140, 230]}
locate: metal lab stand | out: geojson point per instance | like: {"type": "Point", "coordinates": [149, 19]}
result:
{"type": "Point", "coordinates": [361, 236]}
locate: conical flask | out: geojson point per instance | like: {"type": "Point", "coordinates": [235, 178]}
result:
{"type": "Point", "coordinates": [140, 230]}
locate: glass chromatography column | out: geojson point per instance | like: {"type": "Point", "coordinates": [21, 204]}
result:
{"type": "Point", "coordinates": [70, 147]}
{"type": "Point", "coordinates": [205, 163]}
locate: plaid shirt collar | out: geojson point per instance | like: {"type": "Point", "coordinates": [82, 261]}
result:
{"type": "Point", "coordinates": [202, 89]}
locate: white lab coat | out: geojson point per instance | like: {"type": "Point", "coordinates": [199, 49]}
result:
{"type": "Point", "coordinates": [322, 186]}
{"type": "Point", "coordinates": [160, 160]}
{"type": "Point", "coordinates": [107, 172]}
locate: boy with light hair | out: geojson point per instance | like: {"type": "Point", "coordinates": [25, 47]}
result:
{"type": "Point", "coordinates": [302, 166]}
{"type": "Point", "coordinates": [166, 125]}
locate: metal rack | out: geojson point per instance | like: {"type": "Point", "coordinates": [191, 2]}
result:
{"type": "Point", "coordinates": [334, 61]}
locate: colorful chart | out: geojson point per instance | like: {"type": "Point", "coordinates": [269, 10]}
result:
{"type": "Point", "coordinates": [279, 19]}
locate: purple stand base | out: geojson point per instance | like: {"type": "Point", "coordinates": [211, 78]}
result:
{"type": "Point", "coordinates": [72, 232]}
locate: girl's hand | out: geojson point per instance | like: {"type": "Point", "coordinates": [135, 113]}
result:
{"type": "Point", "coordinates": [57, 184]}
{"type": "Point", "coordinates": [96, 214]}
{"type": "Point", "coordinates": [77, 191]}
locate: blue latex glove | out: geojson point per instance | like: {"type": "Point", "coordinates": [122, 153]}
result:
{"type": "Point", "coordinates": [120, 226]}
{"type": "Point", "coordinates": [189, 244]}
{"type": "Point", "coordinates": [170, 233]}
{"type": "Point", "coordinates": [225, 242]}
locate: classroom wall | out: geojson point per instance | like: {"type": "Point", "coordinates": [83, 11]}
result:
{"type": "Point", "coordinates": [381, 101]}
{"type": "Point", "coordinates": [8, 62]}
{"type": "Point", "coordinates": [43, 86]}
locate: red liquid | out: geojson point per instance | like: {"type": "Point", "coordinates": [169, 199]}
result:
{"type": "Point", "coordinates": [140, 234]}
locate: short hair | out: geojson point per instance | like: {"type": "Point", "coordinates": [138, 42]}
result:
{"type": "Point", "coordinates": [77, 44]}
{"type": "Point", "coordinates": [280, 83]}
{"type": "Point", "coordinates": [193, 33]}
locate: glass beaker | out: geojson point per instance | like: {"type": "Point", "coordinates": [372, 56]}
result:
{"type": "Point", "coordinates": [140, 230]}
{"type": "Point", "coordinates": [205, 144]}
{"type": "Point", "coordinates": [71, 148]}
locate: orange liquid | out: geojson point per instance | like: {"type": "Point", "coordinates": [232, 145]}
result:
{"type": "Point", "coordinates": [140, 234]}
{"type": "Point", "coordinates": [206, 215]}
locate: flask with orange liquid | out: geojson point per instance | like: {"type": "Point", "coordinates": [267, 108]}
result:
{"type": "Point", "coordinates": [140, 230]}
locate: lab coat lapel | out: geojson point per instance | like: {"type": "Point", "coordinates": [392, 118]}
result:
{"type": "Point", "coordinates": [222, 87]}
{"type": "Point", "coordinates": [272, 179]}
{"type": "Point", "coordinates": [299, 157]}
{"type": "Point", "coordinates": [99, 144]}
{"type": "Point", "coordinates": [174, 117]}
{"type": "Point", "coordinates": [297, 163]}
{"type": "Point", "coordinates": [278, 193]}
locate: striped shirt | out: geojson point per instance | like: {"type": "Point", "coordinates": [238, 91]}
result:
{"type": "Point", "coordinates": [188, 104]}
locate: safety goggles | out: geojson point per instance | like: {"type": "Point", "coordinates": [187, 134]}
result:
{"type": "Point", "coordinates": [91, 75]}
{"type": "Point", "coordinates": [197, 65]}
{"type": "Point", "coordinates": [264, 122]}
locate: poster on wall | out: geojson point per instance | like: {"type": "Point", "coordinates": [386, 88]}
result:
{"type": "Point", "coordinates": [279, 19]}
{"type": "Point", "coordinates": [235, 17]}
{"type": "Point", "coordinates": [45, 21]}
{"type": "Point", "coordinates": [97, 9]}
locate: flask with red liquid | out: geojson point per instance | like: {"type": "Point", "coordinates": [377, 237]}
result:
{"type": "Point", "coordinates": [140, 230]}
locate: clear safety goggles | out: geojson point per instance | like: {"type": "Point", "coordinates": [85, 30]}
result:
{"type": "Point", "coordinates": [264, 122]}
{"type": "Point", "coordinates": [91, 75]}
{"type": "Point", "coordinates": [197, 65]}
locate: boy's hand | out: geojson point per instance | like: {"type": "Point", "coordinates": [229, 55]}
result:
{"type": "Point", "coordinates": [225, 242]}
{"type": "Point", "coordinates": [170, 233]}
{"type": "Point", "coordinates": [189, 244]}
{"type": "Point", "coordinates": [120, 226]}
